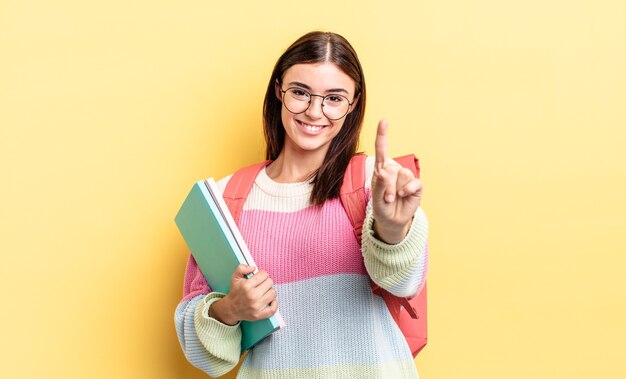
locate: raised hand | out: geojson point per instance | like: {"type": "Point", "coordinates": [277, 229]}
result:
{"type": "Point", "coordinates": [396, 193]}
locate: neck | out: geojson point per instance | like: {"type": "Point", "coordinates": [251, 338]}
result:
{"type": "Point", "coordinates": [292, 166]}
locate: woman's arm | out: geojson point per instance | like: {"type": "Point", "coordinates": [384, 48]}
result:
{"type": "Point", "coordinates": [395, 231]}
{"type": "Point", "coordinates": [208, 325]}
{"type": "Point", "coordinates": [399, 268]}
{"type": "Point", "coordinates": [208, 344]}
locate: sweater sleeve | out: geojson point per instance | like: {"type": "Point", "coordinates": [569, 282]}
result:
{"type": "Point", "coordinates": [208, 344]}
{"type": "Point", "coordinates": [400, 268]}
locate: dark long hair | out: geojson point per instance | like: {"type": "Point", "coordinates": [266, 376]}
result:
{"type": "Point", "coordinates": [318, 47]}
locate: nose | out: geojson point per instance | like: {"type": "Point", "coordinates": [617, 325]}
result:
{"type": "Point", "coordinates": [314, 110]}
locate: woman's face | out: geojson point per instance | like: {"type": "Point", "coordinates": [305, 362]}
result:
{"type": "Point", "coordinates": [311, 131]}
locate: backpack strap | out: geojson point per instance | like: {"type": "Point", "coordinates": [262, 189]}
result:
{"type": "Point", "coordinates": [352, 193]}
{"type": "Point", "coordinates": [411, 162]}
{"type": "Point", "coordinates": [352, 196]}
{"type": "Point", "coordinates": [239, 186]}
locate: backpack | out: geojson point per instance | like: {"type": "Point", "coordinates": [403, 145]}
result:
{"type": "Point", "coordinates": [408, 313]}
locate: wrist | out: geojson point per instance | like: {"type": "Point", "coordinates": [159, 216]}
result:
{"type": "Point", "coordinates": [221, 311]}
{"type": "Point", "coordinates": [391, 235]}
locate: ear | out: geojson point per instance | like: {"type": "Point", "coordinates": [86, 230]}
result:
{"type": "Point", "coordinates": [354, 103]}
{"type": "Point", "coordinates": [279, 94]}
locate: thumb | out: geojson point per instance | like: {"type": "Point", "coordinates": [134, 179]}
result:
{"type": "Point", "coordinates": [243, 270]}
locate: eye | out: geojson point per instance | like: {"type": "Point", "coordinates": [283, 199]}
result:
{"type": "Point", "coordinates": [335, 98]}
{"type": "Point", "coordinates": [299, 94]}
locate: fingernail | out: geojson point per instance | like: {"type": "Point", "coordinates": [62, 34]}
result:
{"type": "Point", "coordinates": [389, 198]}
{"type": "Point", "coordinates": [401, 193]}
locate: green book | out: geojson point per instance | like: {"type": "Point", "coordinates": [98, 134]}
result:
{"type": "Point", "coordinates": [216, 244]}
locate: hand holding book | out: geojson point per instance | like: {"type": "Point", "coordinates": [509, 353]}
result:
{"type": "Point", "coordinates": [249, 299]}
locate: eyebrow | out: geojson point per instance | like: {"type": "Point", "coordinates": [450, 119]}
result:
{"type": "Point", "coordinates": [332, 90]}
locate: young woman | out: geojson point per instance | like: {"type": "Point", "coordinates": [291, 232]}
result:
{"type": "Point", "coordinates": [311, 266]}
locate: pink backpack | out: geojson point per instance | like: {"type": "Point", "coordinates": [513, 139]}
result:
{"type": "Point", "coordinates": [408, 313]}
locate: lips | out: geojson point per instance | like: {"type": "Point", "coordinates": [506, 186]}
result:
{"type": "Point", "coordinates": [310, 129]}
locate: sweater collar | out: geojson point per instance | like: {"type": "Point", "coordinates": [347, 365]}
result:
{"type": "Point", "coordinates": [269, 186]}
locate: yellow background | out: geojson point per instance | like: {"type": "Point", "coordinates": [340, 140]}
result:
{"type": "Point", "coordinates": [110, 110]}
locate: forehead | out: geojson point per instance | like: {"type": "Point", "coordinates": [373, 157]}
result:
{"type": "Point", "coordinates": [319, 76]}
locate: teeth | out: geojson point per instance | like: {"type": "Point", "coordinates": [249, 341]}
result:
{"type": "Point", "coordinates": [312, 128]}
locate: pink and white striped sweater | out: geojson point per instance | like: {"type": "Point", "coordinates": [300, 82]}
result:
{"type": "Point", "coordinates": [336, 327]}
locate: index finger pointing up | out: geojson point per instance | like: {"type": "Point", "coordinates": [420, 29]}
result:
{"type": "Point", "coordinates": [381, 144]}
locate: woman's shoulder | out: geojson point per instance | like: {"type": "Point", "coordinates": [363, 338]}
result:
{"type": "Point", "coordinates": [245, 172]}
{"type": "Point", "coordinates": [369, 170]}
{"type": "Point", "coordinates": [221, 184]}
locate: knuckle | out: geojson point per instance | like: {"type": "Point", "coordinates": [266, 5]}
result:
{"type": "Point", "coordinates": [392, 165]}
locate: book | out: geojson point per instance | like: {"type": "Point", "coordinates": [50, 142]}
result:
{"type": "Point", "coordinates": [216, 244]}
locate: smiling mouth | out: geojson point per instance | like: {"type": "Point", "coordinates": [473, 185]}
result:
{"type": "Point", "coordinates": [311, 128]}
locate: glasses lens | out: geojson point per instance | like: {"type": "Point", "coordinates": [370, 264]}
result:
{"type": "Point", "coordinates": [296, 100]}
{"type": "Point", "coordinates": [335, 106]}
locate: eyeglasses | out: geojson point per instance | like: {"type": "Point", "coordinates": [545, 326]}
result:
{"type": "Point", "coordinates": [297, 100]}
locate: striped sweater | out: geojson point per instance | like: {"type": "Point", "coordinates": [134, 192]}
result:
{"type": "Point", "coordinates": [335, 326]}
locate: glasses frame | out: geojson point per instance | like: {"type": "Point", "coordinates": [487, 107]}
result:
{"type": "Point", "coordinates": [310, 100]}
